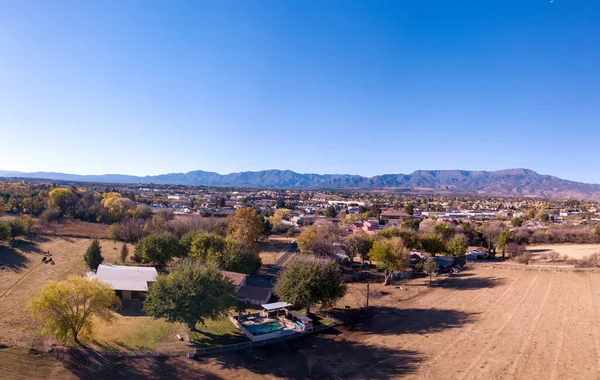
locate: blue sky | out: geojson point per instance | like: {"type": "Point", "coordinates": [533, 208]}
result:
{"type": "Point", "coordinates": [361, 87]}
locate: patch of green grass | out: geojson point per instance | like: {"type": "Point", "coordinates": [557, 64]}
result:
{"type": "Point", "coordinates": [218, 332]}
{"type": "Point", "coordinates": [132, 333]}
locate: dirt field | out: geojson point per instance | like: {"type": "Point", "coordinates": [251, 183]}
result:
{"type": "Point", "coordinates": [486, 322]}
{"type": "Point", "coordinates": [574, 251]}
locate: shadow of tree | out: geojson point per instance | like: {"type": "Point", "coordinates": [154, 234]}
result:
{"type": "Point", "coordinates": [468, 283]}
{"type": "Point", "coordinates": [91, 364]}
{"type": "Point", "coordinates": [27, 246]}
{"type": "Point", "coordinates": [11, 259]}
{"type": "Point", "coordinates": [323, 357]}
{"type": "Point", "coordinates": [392, 321]}
{"type": "Point", "coordinates": [132, 308]}
{"type": "Point", "coordinates": [205, 338]}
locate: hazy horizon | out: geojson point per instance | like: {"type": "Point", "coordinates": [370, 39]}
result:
{"type": "Point", "coordinates": [364, 88]}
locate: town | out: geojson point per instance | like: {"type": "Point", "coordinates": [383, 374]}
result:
{"type": "Point", "coordinates": [370, 250]}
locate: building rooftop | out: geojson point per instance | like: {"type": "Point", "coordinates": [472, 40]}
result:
{"type": "Point", "coordinates": [237, 278]}
{"type": "Point", "coordinates": [121, 277]}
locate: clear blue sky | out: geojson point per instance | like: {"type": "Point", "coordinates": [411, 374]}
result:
{"type": "Point", "coordinates": [361, 87]}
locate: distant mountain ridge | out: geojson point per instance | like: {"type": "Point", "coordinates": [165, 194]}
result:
{"type": "Point", "coordinates": [510, 182]}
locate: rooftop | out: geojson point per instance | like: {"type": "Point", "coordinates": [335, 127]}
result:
{"type": "Point", "coordinates": [121, 277]}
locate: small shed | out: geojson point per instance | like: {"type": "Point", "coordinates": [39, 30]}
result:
{"type": "Point", "coordinates": [275, 308]}
{"type": "Point", "coordinates": [300, 319]}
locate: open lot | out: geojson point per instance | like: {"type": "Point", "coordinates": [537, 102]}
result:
{"type": "Point", "coordinates": [574, 251]}
{"type": "Point", "coordinates": [25, 274]}
{"type": "Point", "coordinates": [486, 322]}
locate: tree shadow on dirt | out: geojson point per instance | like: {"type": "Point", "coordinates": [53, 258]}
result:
{"type": "Point", "coordinates": [91, 364]}
{"type": "Point", "coordinates": [393, 321]}
{"type": "Point", "coordinates": [12, 260]}
{"type": "Point", "coordinates": [323, 356]}
{"type": "Point", "coordinates": [468, 283]}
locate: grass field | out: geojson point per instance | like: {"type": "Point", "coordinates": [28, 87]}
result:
{"type": "Point", "coordinates": [574, 251]}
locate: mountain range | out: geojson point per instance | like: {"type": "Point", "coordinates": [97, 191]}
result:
{"type": "Point", "coordinates": [511, 182]}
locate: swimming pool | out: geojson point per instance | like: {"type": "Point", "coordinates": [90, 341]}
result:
{"type": "Point", "coordinates": [263, 328]}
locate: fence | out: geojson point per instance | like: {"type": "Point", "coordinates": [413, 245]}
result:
{"type": "Point", "coordinates": [200, 351]}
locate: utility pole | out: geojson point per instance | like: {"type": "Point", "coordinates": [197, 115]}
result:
{"type": "Point", "coordinates": [367, 308]}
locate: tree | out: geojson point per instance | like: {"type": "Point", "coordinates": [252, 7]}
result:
{"type": "Point", "coordinates": [206, 247]}
{"type": "Point", "coordinates": [117, 206]}
{"type": "Point", "coordinates": [68, 309]}
{"type": "Point", "coordinates": [390, 255]}
{"type": "Point", "coordinates": [412, 224]}
{"type": "Point", "coordinates": [357, 244]}
{"type": "Point", "coordinates": [124, 253]}
{"type": "Point", "coordinates": [93, 255]}
{"type": "Point", "coordinates": [17, 228]}
{"type": "Point", "coordinates": [190, 294]}
{"type": "Point", "coordinates": [318, 240]}
{"type": "Point", "coordinates": [280, 215]}
{"type": "Point", "coordinates": [444, 230]}
{"type": "Point", "coordinates": [430, 267]}
{"type": "Point", "coordinates": [516, 222]}
{"type": "Point", "coordinates": [226, 254]}
{"type": "Point", "coordinates": [309, 282]}
{"type": "Point", "coordinates": [4, 231]}
{"type": "Point", "coordinates": [245, 226]}
{"type": "Point", "coordinates": [503, 240]}
{"type": "Point", "coordinates": [544, 217]}
{"type": "Point", "coordinates": [433, 244]}
{"type": "Point", "coordinates": [409, 237]}
{"type": "Point", "coordinates": [236, 257]}
{"type": "Point", "coordinates": [64, 200]}
{"type": "Point", "coordinates": [280, 203]}
{"type": "Point", "coordinates": [331, 212]}
{"type": "Point", "coordinates": [157, 248]}
{"type": "Point", "coordinates": [410, 209]}
{"type": "Point", "coordinates": [457, 246]}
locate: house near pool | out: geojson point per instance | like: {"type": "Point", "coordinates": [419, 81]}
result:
{"type": "Point", "coordinates": [127, 281]}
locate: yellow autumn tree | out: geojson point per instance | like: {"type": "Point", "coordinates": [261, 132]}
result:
{"type": "Point", "coordinates": [67, 309]}
{"type": "Point", "coordinates": [246, 226]}
{"type": "Point", "coordinates": [116, 205]}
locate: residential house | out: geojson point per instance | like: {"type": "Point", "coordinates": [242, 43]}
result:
{"type": "Point", "coordinates": [127, 281]}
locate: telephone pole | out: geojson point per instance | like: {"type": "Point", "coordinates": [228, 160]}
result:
{"type": "Point", "coordinates": [367, 308]}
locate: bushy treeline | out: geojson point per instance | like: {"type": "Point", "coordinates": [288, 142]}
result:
{"type": "Point", "coordinates": [51, 203]}
{"type": "Point", "coordinates": [230, 246]}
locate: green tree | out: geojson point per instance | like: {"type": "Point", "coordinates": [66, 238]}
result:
{"type": "Point", "coordinates": [93, 255]}
{"type": "Point", "coordinates": [124, 253]}
{"type": "Point", "coordinates": [430, 267]}
{"type": "Point", "coordinates": [280, 203]}
{"type": "Point", "coordinates": [516, 222]}
{"type": "Point", "coordinates": [457, 246]}
{"type": "Point", "coordinates": [412, 224]}
{"type": "Point", "coordinates": [157, 248]}
{"type": "Point", "coordinates": [4, 231]}
{"type": "Point", "coordinates": [544, 217]}
{"type": "Point", "coordinates": [68, 309]}
{"type": "Point", "coordinates": [409, 237]}
{"type": "Point", "coordinates": [17, 228]}
{"type": "Point", "coordinates": [206, 247]}
{"type": "Point", "coordinates": [309, 282]}
{"type": "Point", "coordinates": [433, 244]}
{"type": "Point", "coordinates": [444, 230]}
{"type": "Point", "coordinates": [391, 255]}
{"type": "Point", "coordinates": [192, 293]}
{"type": "Point", "coordinates": [410, 209]}
{"type": "Point", "coordinates": [503, 240]}
{"type": "Point", "coordinates": [331, 212]}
